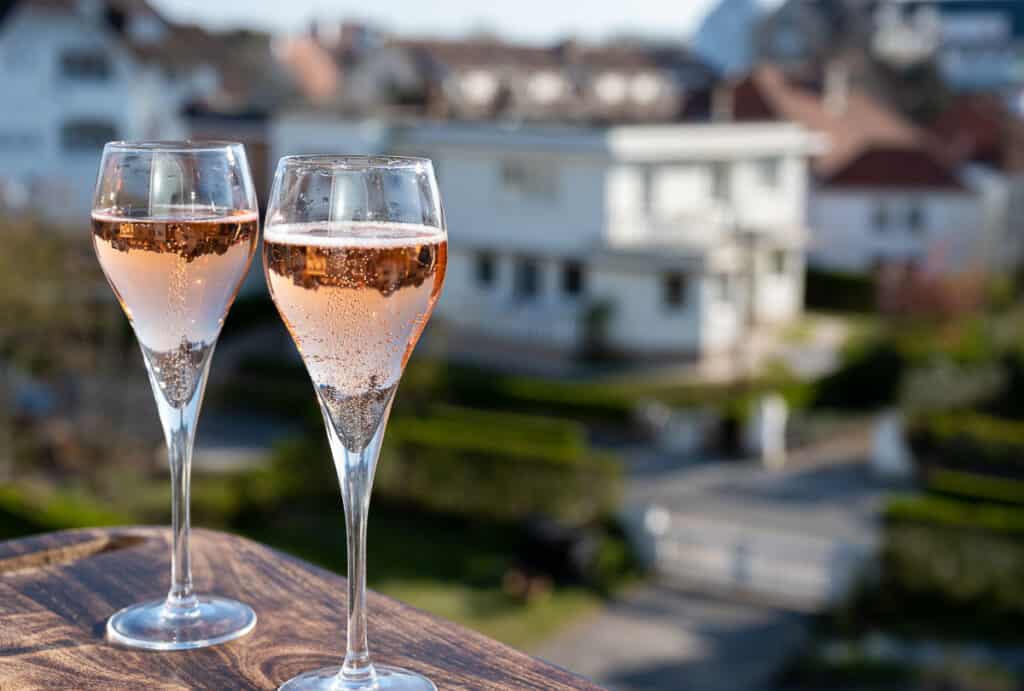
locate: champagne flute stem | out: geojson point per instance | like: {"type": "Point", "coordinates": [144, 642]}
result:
{"type": "Point", "coordinates": [356, 494]}
{"type": "Point", "coordinates": [355, 469]}
{"type": "Point", "coordinates": [180, 596]}
{"type": "Point", "coordinates": [178, 419]}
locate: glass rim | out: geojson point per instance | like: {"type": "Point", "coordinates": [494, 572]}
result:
{"type": "Point", "coordinates": [353, 162]}
{"type": "Point", "coordinates": [171, 145]}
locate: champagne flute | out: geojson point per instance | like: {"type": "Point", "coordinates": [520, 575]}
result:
{"type": "Point", "coordinates": [175, 225]}
{"type": "Point", "coordinates": [354, 250]}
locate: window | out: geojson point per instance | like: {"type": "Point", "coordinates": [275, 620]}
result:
{"type": "Point", "coordinates": [880, 217]}
{"type": "Point", "coordinates": [85, 64]}
{"type": "Point", "coordinates": [646, 88]}
{"type": "Point", "coordinates": [572, 278]}
{"type": "Point", "coordinates": [485, 269]}
{"type": "Point", "coordinates": [779, 262]}
{"type": "Point", "coordinates": [915, 218]}
{"type": "Point", "coordinates": [86, 135]}
{"type": "Point", "coordinates": [546, 87]}
{"type": "Point", "coordinates": [720, 181]}
{"type": "Point", "coordinates": [526, 283]}
{"type": "Point", "coordinates": [675, 290]}
{"type": "Point", "coordinates": [723, 288]}
{"type": "Point", "coordinates": [479, 86]}
{"type": "Point", "coordinates": [530, 179]}
{"type": "Point", "coordinates": [611, 88]}
{"type": "Point", "coordinates": [768, 171]}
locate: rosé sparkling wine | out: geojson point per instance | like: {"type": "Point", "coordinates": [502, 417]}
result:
{"type": "Point", "coordinates": [175, 279]}
{"type": "Point", "coordinates": [355, 297]}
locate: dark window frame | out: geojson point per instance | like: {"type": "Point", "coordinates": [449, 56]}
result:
{"type": "Point", "coordinates": [880, 217]}
{"type": "Point", "coordinates": [779, 262]}
{"type": "Point", "coordinates": [675, 288]}
{"type": "Point", "coordinates": [86, 135]}
{"type": "Point", "coordinates": [721, 180]}
{"type": "Point", "coordinates": [526, 280]}
{"type": "Point", "coordinates": [769, 171]}
{"type": "Point", "coordinates": [916, 220]}
{"type": "Point", "coordinates": [573, 278]}
{"type": "Point", "coordinates": [86, 65]}
{"type": "Point", "coordinates": [486, 269]}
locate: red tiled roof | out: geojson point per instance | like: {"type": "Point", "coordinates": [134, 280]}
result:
{"type": "Point", "coordinates": [864, 137]}
{"type": "Point", "coordinates": [470, 53]}
{"type": "Point", "coordinates": [981, 129]}
{"type": "Point", "coordinates": [894, 167]}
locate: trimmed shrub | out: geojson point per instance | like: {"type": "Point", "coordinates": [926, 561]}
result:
{"type": "Point", "coordinates": [482, 388]}
{"type": "Point", "coordinates": [974, 487]}
{"type": "Point", "coordinates": [870, 378]}
{"type": "Point", "coordinates": [840, 291]}
{"type": "Point", "coordinates": [961, 581]}
{"type": "Point", "coordinates": [940, 512]}
{"type": "Point", "coordinates": [971, 442]}
{"type": "Point", "coordinates": [497, 465]}
{"type": "Point", "coordinates": [470, 462]}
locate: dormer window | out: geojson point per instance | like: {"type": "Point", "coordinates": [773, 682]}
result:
{"type": "Point", "coordinates": [479, 86]}
{"type": "Point", "coordinates": [92, 65]}
{"type": "Point", "coordinates": [611, 88]}
{"type": "Point", "coordinates": [546, 87]}
{"type": "Point", "coordinates": [645, 88]}
{"type": "Point", "coordinates": [86, 135]}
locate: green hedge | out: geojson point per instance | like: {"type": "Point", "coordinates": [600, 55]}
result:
{"type": "Point", "coordinates": [959, 582]}
{"type": "Point", "coordinates": [970, 441]}
{"type": "Point", "coordinates": [483, 388]}
{"type": "Point", "coordinates": [870, 378]}
{"type": "Point", "coordinates": [497, 465]}
{"type": "Point", "coordinates": [975, 487]}
{"type": "Point", "coordinates": [840, 291]}
{"type": "Point", "coordinates": [945, 513]}
{"type": "Point", "coordinates": [470, 462]}
{"type": "Point", "coordinates": [24, 511]}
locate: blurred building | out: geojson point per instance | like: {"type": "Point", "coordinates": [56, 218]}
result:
{"type": "Point", "coordinates": [882, 192]}
{"type": "Point", "coordinates": [724, 36]}
{"type": "Point", "coordinates": [354, 69]}
{"type": "Point", "coordinates": [668, 241]}
{"type": "Point", "coordinates": [78, 73]}
{"type": "Point", "coordinates": [978, 44]}
{"type": "Point", "coordinates": [984, 140]}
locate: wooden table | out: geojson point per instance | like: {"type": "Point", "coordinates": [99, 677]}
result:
{"type": "Point", "coordinates": [57, 590]}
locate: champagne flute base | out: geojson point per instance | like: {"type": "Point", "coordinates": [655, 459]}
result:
{"type": "Point", "coordinates": [154, 626]}
{"type": "Point", "coordinates": [386, 679]}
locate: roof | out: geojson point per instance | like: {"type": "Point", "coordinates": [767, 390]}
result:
{"type": "Point", "coordinates": [486, 52]}
{"type": "Point", "coordinates": [480, 53]}
{"type": "Point", "coordinates": [979, 128]}
{"type": "Point", "coordinates": [897, 167]}
{"type": "Point", "coordinates": [865, 138]}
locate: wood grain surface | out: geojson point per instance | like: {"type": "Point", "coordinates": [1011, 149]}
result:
{"type": "Point", "coordinates": [57, 590]}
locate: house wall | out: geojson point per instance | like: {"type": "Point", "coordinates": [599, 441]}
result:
{"type": "Point", "coordinates": [632, 206]}
{"type": "Point", "coordinates": [846, 236]}
{"type": "Point", "coordinates": [39, 100]}
{"type": "Point", "coordinates": [561, 210]}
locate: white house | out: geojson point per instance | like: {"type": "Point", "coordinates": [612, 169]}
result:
{"type": "Point", "coordinates": [75, 75]}
{"type": "Point", "coordinates": [689, 235]}
{"type": "Point", "coordinates": [882, 192]}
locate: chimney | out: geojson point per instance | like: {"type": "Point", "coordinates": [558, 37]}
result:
{"type": "Point", "coordinates": [837, 87]}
